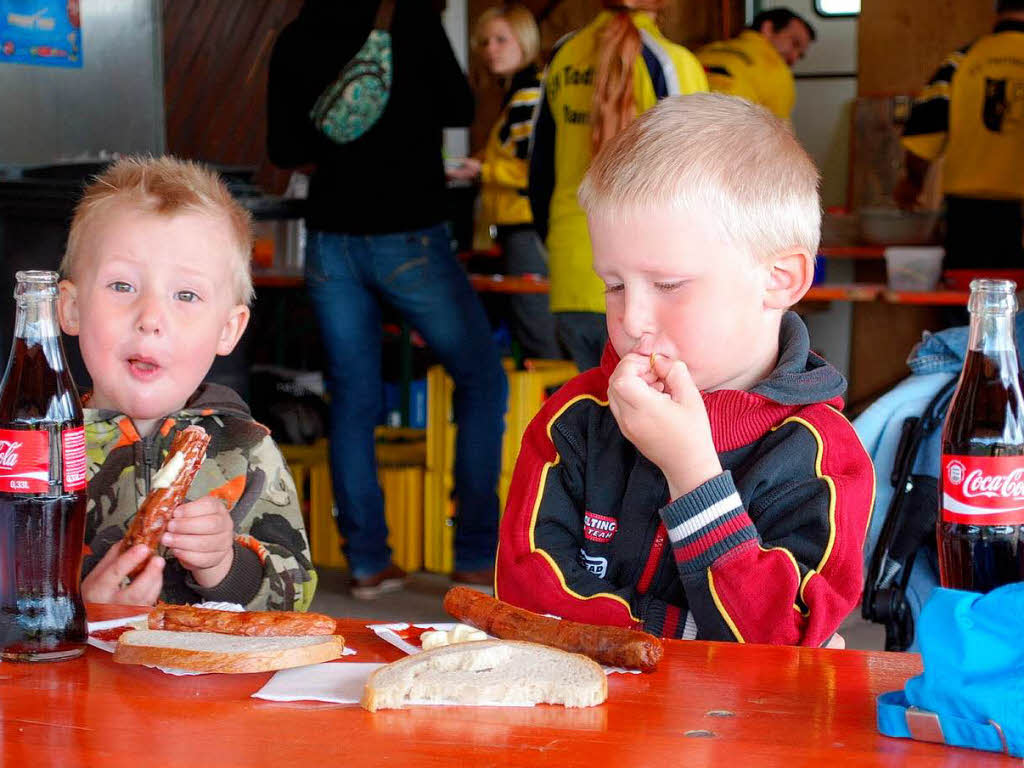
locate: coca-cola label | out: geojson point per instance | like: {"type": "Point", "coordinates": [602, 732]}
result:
{"type": "Point", "coordinates": [24, 460]}
{"type": "Point", "coordinates": [73, 451]}
{"type": "Point", "coordinates": [983, 490]}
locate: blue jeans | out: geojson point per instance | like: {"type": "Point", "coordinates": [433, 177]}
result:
{"type": "Point", "coordinates": [417, 273]}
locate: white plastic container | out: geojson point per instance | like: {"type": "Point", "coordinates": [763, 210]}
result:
{"type": "Point", "coordinates": [913, 268]}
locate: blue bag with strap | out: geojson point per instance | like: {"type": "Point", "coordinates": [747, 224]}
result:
{"type": "Point", "coordinates": [354, 102]}
{"type": "Point", "coordinates": [971, 693]}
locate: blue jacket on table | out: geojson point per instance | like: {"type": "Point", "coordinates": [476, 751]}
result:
{"type": "Point", "coordinates": [767, 552]}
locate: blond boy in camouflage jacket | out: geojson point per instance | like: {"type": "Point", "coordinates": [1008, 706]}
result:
{"type": "Point", "coordinates": [244, 468]}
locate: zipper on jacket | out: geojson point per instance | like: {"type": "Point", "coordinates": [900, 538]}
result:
{"type": "Point", "coordinates": [653, 559]}
{"type": "Point", "coordinates": [149, 448]}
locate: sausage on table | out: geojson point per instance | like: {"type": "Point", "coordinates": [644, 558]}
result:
{"type": "Point", "coordinates": [615, 646]}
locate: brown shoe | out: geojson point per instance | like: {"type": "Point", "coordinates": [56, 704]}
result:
{"type": "Point", "coordinates": [391, 579]}
{"type": "Point", "coordinates": [481, 578]}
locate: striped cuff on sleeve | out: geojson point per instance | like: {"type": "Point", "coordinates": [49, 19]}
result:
{"type": "Point", "coordinates": [706, 523]}
{"type": "Point", "coordinates": [661, 618]}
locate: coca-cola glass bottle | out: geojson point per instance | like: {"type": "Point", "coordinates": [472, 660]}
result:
{"type": "Point", "coordinates": [981, 477]}
{"type": "Point", "coordinates": [42, 486]}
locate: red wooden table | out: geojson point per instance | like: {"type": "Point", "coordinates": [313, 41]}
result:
{"type": "Point", "coordinates": [708, 704]}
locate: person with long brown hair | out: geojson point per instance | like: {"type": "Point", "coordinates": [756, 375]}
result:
{"type": "Point", "coordinates": [599, 79]}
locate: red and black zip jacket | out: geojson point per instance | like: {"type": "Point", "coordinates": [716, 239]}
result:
{"type": "Point", "coordinates": [769, 551]}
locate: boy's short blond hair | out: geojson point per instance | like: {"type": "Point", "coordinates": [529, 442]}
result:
{"type": "Point", "coordinates": [166, 186]}
{"type": "Point", "coordinates": [523, 26]}
{"type": "Point", "coordinates": [723, 156]}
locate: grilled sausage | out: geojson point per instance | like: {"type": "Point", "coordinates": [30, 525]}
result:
{"type": "Point", "coordinates": [615, 646]}
{"type": "Point", "coordinates": [188, 618]}
{"type": "Point", "coordinates": [171, 483]}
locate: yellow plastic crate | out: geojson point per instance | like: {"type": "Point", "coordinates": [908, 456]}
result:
{"type": "Point", "coordinates": [440, 426]}
{"type": "Point", "coordinates": [438, 523]}
{"type": "Point", "coordinates": [400, 457]}
{"type": "Point", "coordinates": [439, 518]}
{"type": "Point", "coordinates": [400, 447]}
{"type": "Point", "coordinates": [527, 392]}
{"type": "Point", "coordinates": [403, 510]}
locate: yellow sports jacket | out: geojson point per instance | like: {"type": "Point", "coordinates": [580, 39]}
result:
{"type": "Point", "coordinates": [561, 150]}
{"type": "Point", "coordinates": [504, 170]}
{"type": "Point", "coordinates": [750, 67]}
{"type": "Point", "coordinates": [972, 111]}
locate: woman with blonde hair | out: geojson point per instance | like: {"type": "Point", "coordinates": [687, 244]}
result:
{"type": "Point", "coordinates": [599, 79]}
{"type": "Point", "coordinates": [508, 41]}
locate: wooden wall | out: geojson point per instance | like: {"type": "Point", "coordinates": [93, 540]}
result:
{"type": "Point", "coordinates": [216, 54]}
{"type": "Point", "coordinates": [215, 80]}
{"type": "Point", "coordinates": [901, 44]}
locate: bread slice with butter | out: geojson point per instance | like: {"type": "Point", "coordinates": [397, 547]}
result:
{"type": "Point", "coordinates": [487, 673]}
{"type": "Point", "coordinates": [214, 652]}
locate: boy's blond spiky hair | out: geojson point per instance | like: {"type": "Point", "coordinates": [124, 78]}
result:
{"type": "Point", "coordinates": [731, 160]}
{"type": "Point", "coordinates": [164, 185]}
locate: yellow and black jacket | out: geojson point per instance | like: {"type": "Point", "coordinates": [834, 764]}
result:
{"type": "Point", "coordinates": [769, 551]}
{"type": "Point", "coordinates": [972, 111]}
{"type": "Point", "coordinates": [562, 146]}
{"type": "Point", "coordinates": [504, 171]}
{"type": "Point", "coordinates": [749, 66]}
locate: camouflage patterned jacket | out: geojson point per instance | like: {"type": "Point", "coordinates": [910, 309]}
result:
{"type": "Point", "coordinates": [272, 569]}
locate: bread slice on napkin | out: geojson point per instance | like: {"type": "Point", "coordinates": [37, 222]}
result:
{"type": "Point", "coordinates": [213, 652]}
{"type": "Point", "coordinates": [488, 672]}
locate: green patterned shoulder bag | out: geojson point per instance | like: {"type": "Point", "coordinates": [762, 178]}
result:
{"type": "Point", "coordinates": [352, 104]}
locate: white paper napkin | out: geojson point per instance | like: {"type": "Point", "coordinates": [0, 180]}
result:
{"type": "Point", "coordinates": [336, 683]}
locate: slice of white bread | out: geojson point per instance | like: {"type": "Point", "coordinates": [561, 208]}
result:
{"type": "Point", "coordinates": [488, 672]}
{"type": "Point", "coordinates": [212, 652]}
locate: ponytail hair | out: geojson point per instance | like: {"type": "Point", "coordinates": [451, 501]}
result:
{"type": "Point", "coordinates": [618, 47]}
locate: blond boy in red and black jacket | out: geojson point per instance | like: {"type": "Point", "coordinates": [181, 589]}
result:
{"type": "Point", "coordinates": [701, 483]}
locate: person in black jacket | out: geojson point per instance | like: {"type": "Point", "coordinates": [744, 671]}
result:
{"type": "Point", "coordinates": [377, 233]}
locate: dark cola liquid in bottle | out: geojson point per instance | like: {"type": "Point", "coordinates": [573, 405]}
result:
{"type": "Point", "coordinates": [981, 520]}
{"type": "Point", "coordinates": [42, 486]}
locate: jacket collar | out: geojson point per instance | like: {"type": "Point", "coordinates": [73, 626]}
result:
{"type": "Point", "coordinates": [207, 400]}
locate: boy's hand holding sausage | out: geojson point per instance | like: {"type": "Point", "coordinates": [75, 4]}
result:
{"type": "Point", "coordinates": [659, 409]}
{"type": "Point", "coordinates": [201, 536]}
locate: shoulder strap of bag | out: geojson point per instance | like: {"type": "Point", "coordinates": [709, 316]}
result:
{"type": "Point", "coordinates": [385, 13]}
{"type": "Point", "coordinates": [891, 562]}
